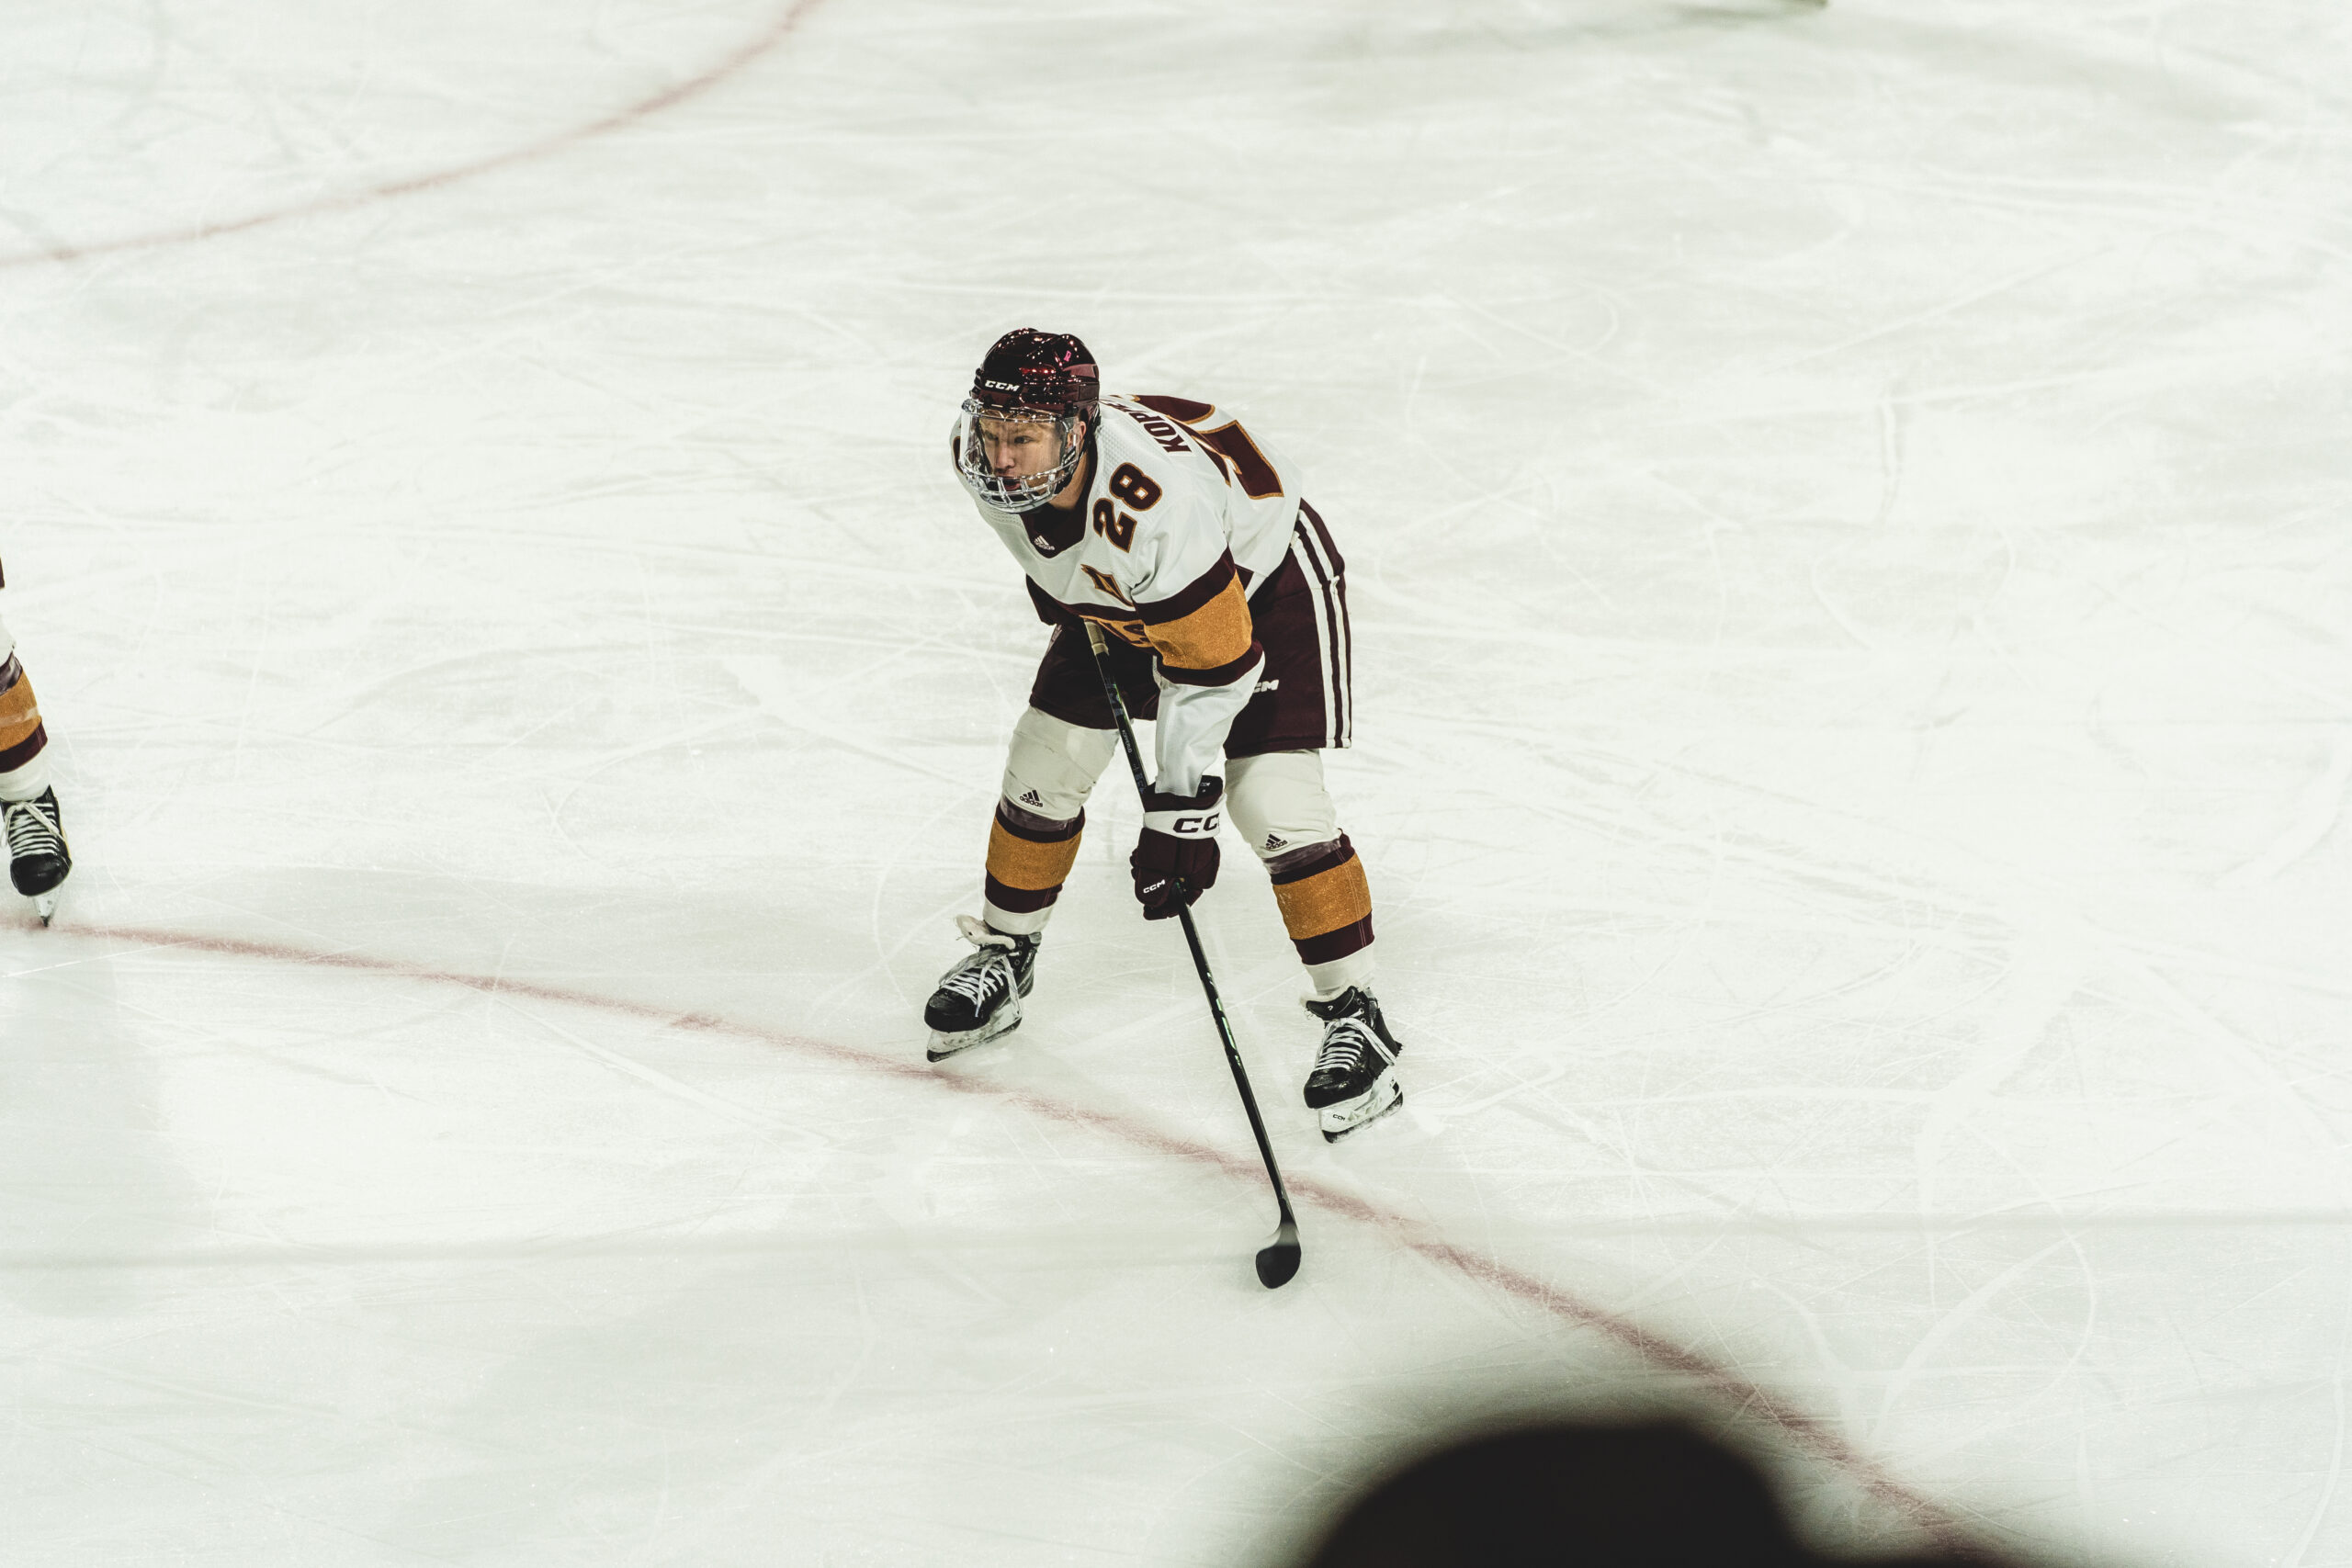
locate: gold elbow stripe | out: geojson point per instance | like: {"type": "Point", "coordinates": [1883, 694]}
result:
{"type": "Point", "coordinates": [1326, 901]}
{"type": "Point", "coordinates": [1209, 637]}
{"type": "Point", "coordinates": [1027, 866]}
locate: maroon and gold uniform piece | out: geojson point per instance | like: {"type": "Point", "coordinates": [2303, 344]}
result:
{"type": "Point", "coordinates": [1325, 900]}
{"type": "Point", "coordinates": [1029, 858]}
{"type": "Point", "coordinates": [1298, 616]}
{"type": "Point", "coordinates": [22, 735]}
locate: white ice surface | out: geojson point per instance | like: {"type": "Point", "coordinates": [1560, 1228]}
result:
{"type": "Point", "coordinates": [1848, 516]}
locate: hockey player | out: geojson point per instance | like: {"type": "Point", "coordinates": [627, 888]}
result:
{"type": "Point", "coordinates": [1219, 590]}
{"type": "Point", "coordinates": [29, 816]}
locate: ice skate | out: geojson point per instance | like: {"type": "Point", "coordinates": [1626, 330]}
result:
{"type": "Point", "coordinates": [38, 861]}
{"type": "Point", "coordinates": [1352, 1083]}
{"type": "Point", "coordinates": [980, 998]}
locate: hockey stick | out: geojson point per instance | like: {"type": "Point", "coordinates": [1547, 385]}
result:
{"type": "Point", "coordinates": [1279, 1258]}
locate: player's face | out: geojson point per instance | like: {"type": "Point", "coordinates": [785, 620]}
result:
{"type": "Point", "coordinates": [1018, 449]}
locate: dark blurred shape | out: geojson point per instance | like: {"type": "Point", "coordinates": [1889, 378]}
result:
{"type": "Point", "coordinates": [1652, 1495]}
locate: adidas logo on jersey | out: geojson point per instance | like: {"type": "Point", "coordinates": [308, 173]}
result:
{"type": "Point", "coordinates": [1031, 797]}
{"type": "Point", "coordinates": [1276, 841]}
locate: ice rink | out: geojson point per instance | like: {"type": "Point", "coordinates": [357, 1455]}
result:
{"type": "Point", "coordinates": [1846, 521]}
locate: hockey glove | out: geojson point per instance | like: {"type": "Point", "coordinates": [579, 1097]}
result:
{"type": "Point", "coordinates": [1175, 861]}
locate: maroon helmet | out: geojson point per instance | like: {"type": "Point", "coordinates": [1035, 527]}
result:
{"type": "Point", "coordinates": [1032, 387]}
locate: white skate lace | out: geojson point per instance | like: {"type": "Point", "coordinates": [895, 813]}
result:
{"type": "Point", "coordinates": [985, 970]}
{"type": "Point", "coordinates": [30, 830]}
{"type": "Point", "coordinates": [1344, 1044]}
{"type": "Point", "coordinates": [981, 973]}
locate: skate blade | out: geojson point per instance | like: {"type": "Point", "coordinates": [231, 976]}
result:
{"type": "Point", "coordinates": [45, 906]}
{"type": "Point", "coordinates": [942, 1046]}
{"type": "Point", "coordinates": [1353, 1115]}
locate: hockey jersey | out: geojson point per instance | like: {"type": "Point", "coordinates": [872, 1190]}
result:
{"type": "Point", "coordinates": [1182, 510]}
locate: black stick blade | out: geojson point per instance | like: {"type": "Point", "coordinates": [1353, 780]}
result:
{"type": "Point", "coordinates": [1278, 1260]}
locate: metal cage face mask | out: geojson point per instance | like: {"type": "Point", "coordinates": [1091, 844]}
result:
{"type": "Point", "coordinates": [1008, 494]}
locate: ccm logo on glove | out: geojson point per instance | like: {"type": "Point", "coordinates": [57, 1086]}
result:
{"type": "Point", "coordinates": [1175, 859]}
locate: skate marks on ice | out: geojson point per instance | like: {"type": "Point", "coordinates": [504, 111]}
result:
{"type": "Point", "coordinates": [763, 41]}
{"type": "Point", "coordinates": [2314, 818]}
{"type": "Point", "coordinates": [1427, 32]}
{"type": "Point", "coordinates": [1816, 1438]}
{"type": "Point", "coordinates": [86, 1171]}
{"type": "Point", "coordinates": [1732, 13]}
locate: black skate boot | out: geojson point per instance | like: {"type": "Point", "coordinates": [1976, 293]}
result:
{"type": "Point", "coordinates": [980, 998]}
{"type": "Point", "coordinates": [36, 857]}
{"type": "Point", "coordinates": [1352, 1083]}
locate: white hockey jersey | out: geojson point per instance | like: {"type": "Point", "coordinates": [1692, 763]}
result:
{"type": "Point", "coordinates": [1181, 511]}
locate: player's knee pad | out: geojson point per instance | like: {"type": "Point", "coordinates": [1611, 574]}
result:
{"type": "Point", "coordinates": [1278, 802]}
{"type": "Point", "coordinates": [1051, 766]}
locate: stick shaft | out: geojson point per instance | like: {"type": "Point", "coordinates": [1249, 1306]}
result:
{"type": "Point", "coordinates": [1191, 933]}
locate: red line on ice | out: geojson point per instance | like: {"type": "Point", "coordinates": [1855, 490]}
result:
{"type": "Point", "coordinates": [779, 29]}
{"type": "Point", "coordinates": [1807, 1431]}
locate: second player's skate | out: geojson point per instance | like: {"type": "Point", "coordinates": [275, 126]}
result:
{"type": "Point", "coordinates": [37, 860]}
{"type": "Point", "coordinates": [1353, 1083]}
{"type": "Point", "coordinates": [980, 998]}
